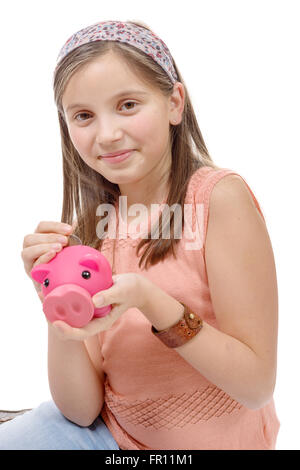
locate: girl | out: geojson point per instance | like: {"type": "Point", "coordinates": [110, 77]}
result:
{"type": "Point", "coordinates": [187, 357]}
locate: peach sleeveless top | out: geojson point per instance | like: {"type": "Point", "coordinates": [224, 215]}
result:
{"type": "Point", "coordinates": [154, 399]}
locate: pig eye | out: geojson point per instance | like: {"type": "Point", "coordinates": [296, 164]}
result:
{"type": "Point", "coordinates": [86, 274]}
{"type": "Point", "coordinates": [46, 282]}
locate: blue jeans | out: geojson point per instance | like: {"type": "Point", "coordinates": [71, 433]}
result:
{"type": "Point", "coordinates": [46, 428]}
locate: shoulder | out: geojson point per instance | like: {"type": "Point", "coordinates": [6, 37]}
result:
{"type": "Point", "coordinates": [225, 198]}
{"type": "Point", "coordinates": [230, 194]}
{"type": "Point", "coordinates": [205, 178]}
{"type": "Point", "coordinates": [220, 188]}
{"type": "Point", "coordinates": [234, 214]}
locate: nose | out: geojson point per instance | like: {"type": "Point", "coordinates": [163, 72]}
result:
{"type": "Point", "coordinates": [108, 131]}
{"type": "Point", "coordinates": [70, 303]}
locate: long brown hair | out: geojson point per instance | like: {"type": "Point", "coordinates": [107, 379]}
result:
{"type": "Point", "coordinates": [84, 188]}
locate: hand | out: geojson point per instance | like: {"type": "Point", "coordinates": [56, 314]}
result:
{"type": "Point", "coordinates": [129, 290]}
{"type": "Point", "coordinates": [42, 245]}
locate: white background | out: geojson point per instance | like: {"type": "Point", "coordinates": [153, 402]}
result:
{"type": "Point", "coordinates": [240, 62]}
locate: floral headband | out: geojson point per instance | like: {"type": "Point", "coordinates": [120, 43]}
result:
{"type": "Point", "coordinates": [137, 36]}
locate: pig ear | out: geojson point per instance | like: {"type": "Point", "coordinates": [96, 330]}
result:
{"type": "Point", "coordinates": [38, 273]}
{"type": "Point", "coordinates": [89, 261]}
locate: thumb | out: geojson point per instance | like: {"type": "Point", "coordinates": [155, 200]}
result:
{"type": "Point", "coordinates": [104, 297]}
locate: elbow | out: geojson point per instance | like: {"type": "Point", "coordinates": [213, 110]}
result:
{"type": "Point", "coordinates": [83, 422]}
{"type": "Point", "coordinates": [89, 420]}
{"type": "Point", "coordinates": [82, 417]}
{"type": "Point", "coordinates": [261, 398]}
{"type": "Point", "coordinates": [263, 388]}
{"type": "Point", "coordinates": [256, 405]}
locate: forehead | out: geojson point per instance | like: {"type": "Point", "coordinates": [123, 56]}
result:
{"type": "Point", "coordinates": [106, 76]}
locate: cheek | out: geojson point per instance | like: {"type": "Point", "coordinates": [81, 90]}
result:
{"type": "Point", "coordinates": [146, 126]}
{"type": "Point", "coordinates": [79, 139]}
{"type": "Point", "coordinates": [139, 127]}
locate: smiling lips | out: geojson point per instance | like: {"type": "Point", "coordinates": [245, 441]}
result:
{"type": "Point", "coordinates": [115, 154]}
{"type": "Point", "coordinates": [117, 157]}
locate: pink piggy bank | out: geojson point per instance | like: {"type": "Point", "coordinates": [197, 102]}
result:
{"type": "Point", "coordinates": [69, 282]}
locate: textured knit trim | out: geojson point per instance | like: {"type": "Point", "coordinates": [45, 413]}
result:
{"type": "Point", "coordinates": [124, 440]}
{"type": "Point", "coordinates": [174, 411]}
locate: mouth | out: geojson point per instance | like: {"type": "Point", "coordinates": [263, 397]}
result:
{"type": "Point", "coordinates": [116, 154]}
{"type": "Point", "coordinates": [116, 158]}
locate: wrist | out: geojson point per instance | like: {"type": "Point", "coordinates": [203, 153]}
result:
{"type": "Point", "coordinates": [160, 308]}
{"type": "Point", "coordinates": [144, 292]}
{"type": "Point", "coordinates": [181, 332]}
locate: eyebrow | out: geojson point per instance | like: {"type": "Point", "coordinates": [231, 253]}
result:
{"type": "Point", "coordinates": [118, 95]}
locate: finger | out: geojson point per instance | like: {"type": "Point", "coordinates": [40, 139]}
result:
{"type": "Point", "coordinates": [45, 258]}
{"type": "Point", "coordinates": [33, 239]}
{"type": "Point", "coordinates": [96, 325]}
{"type": "Point", "coordinates": [56, 227]}
{"type": "Point", "coordinates": [65, 331]}
{"type": "Point", "coordinates": [32, 253]}
{"type": "Point", "coordinates": [107, 296]}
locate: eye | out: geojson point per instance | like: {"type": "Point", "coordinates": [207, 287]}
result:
{"type": "Point", "coordinates": [81, 114]}
{"type": "Point", "coordinates": [129, 102]}
{"type": "Point", "coordinates": [86, 274]}
{"type": "Point", "coordinates": [46, 282]}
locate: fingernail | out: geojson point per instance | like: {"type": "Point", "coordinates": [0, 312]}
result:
{"type": "Point", "coordinates": [67, 228]}
{"type": "Point", "coordinates": [63, 239]}
{"type": "Point", "coordinates": [56, 246]}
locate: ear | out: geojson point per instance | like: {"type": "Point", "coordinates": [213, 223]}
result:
{"type": "Point", "coordinates": [38, 273]}
{"type": "Point", "coordinates": [89, 261]}
{"type": "Point", "coordinates": [177, 100]}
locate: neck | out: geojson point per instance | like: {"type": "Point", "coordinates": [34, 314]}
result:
{"type": "Point", "coordinates": [151, 189]}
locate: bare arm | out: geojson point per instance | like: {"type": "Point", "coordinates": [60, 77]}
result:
{"type": "Point", "coordinates": [76, 379]}
{"type": "Point", "coordinates": [240, 357]}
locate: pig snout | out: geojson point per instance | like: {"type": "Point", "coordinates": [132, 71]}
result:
{"type": "Point", "coordinates": [69, 303]}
